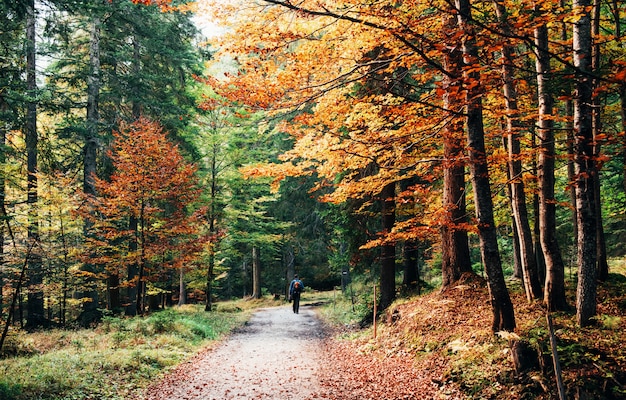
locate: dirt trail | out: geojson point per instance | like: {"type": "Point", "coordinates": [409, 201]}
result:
{"type": "Point", "coordinates": [275, 356]}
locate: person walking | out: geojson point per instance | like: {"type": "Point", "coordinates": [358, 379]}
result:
{"type": "Point", "coordinates": [295, 288]}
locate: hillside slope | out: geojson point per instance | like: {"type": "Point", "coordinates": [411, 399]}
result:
{"type": "Point", "coordinates": [440, 346]}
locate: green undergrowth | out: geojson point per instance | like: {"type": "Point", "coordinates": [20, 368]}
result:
{"type": "Point", "coordinates": [338, 309]}
{"type": "Point", "coordinates": [115, 359]}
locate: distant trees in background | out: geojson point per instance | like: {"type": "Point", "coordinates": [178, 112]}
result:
{"type": "Point", "coordinates": [91, 68]}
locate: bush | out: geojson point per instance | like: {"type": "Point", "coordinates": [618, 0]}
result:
{"type": "Point", "coordinates": [162, 322]}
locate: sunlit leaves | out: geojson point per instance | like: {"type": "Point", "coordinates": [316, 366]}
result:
{"type": "Point", "coordinates": [365, 83]}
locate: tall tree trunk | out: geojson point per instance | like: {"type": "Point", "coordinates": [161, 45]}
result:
{"type": "Point", "coordinates": [182, 291]}
{"type": "Point", "coordinates": [212, 217]}
{"type": "Point", "coordinates": [289, 260]}
{"type": "Point", "coordinates": [4, 128]}
{"type": "Point", "coordinates": [585, 167]}
{"type": "Point", "coordinates": [517, 258]}
{"type": "Point", "coordinates": [569, 129]}
{"type": "Point", "coordinates": [66, 275]}
{"type": "Point", "coordinates": [134, 268]}
{"type": "Point", "coordinates": [455, 251]}
{"type": "Point", "coordinates": [502, 307]}
{"type": "Point", "coordinates": [208, 305]}
{"type": "Point", "coordinates": [136, 106]}
{"type": "Point", "coordinates": [388, 250]}
{"type": "Point", "coordinates": [602, 263]}
{"type": "Point", "coordinates": [541, 262]}
{"type": "Point", "coordinates": [622, 89]}
{"type": "Point", "coordinates": [36, 316]}
{"type": "Point", "coordinates": [90, 307]}
{"type": "Point", "coordinates": [622, 99]}
{"type": "Point", "coordinates": [256, 273]}
{"type": "Point", "coordinates": [410, 250]}
{"type": "Point", "coordinates": [114, 302]}
{"type": "Point", "coordinates": [141, 277]}
{"type": "Point", "coordinates": [554, 290]}
{"type": "Point", "coordinates": [530, 273]}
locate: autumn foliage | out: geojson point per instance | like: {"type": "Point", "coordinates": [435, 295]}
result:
{"type": "Point", "coordinates": [375, 90]}
{"type": "Point", "coordinates": [143, 214]}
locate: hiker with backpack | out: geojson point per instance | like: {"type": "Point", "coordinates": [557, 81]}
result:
{"type": "Point", "coordinates": [295, 288]}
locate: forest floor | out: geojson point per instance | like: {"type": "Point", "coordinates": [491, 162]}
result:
{"type": "Point", "coordinates": [434, 346]}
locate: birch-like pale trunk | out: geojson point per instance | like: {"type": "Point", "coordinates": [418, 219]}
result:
{"type": "Point", "coordinates": [585, 166]}
{"type": "Point", "coordinates": [256, 273]}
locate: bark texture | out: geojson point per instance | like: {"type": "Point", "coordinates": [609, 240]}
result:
{"type": "Point", "coordinates": [530, 273]}
{"type": "Point", "coordinates": [35, 306]}
{"type": "Point", "coordinates": [455, 254]}
{"type": "Point", "coordinates": [502, 307]}
{"type": "Point", "coordinates": [585, 169]}
{"type": "Point", "coordinates": [554, 290]}
{"type": "Point", "coordinates": [256, 273]}
{"type": "Point", "coordinates": [388, 250]}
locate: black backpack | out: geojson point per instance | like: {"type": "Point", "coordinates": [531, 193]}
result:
{"type": "Point", "coordinates": [297, 287]}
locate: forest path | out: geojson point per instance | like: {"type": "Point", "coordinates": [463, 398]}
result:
{"type": "Point", "coordinates": [276, 355]}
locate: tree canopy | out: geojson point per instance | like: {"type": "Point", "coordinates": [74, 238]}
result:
{"type": "Point", "coordinates": [328, 138]}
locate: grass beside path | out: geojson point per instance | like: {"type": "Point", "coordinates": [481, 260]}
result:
{"type": "Point", "coordinates": [117, 358]}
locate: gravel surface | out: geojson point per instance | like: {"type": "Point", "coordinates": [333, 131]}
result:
{"type": "Point", "coordinates": [275, 356]}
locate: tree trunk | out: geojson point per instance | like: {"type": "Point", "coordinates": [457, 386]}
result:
{"type": "Point", "coordinates": [554, 290]}
{"type": "Point", "coordinates": [3, 218]}
{"type": "Point", "coordinates": [212, 217]}
{"type": "Point", "coordinates": [502, 307]}
{"type": "Point", "coordinates": [517, 258]}
{"type": "Point", "coordinates": [16, 293]}
{"type": "Point", "coordinates": [182, 292]}
{"type": "Point", "coordinates": [530, 273]}
{"type": "Point", "coordinates": [141, 278]}
{"type": "Point", "coordinates": [65, 279]}
{"type": "Point", "coordinates": [256, 273]}
{"type": "Point", "coordinates": [622, 88]}
{"type": "Point", "coordinates": [132, 269]}
{"type": "Point", "coordinates": [36, 316]}
{"type": "Point", "coordinates": [596, 108]}
{"type": "Point", "coordinates": [136, 106]}
{"type": "Point", "coordinates": [585, 168]}
{"type": "Point", "coordinates": [113, 290]}
{"type": "Point", "coordinates": [90, 307]}
{"type": "Point", "coordinates": [541, 261]}
{"type": "Point", "coordinates": [345, 268]}
{"type": "Point", "coordinates": [289, 257]}
{"type": "Point", "coordinates": [410, 263]}
{"type": "Point", "coordinates": [569, 127]}
{"type": "Point", "coordinates": [455, 254]}
{"type": "Point", "coordinates": [388, 250]}
{"type": "Point", "coordinates": [208, 305]}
